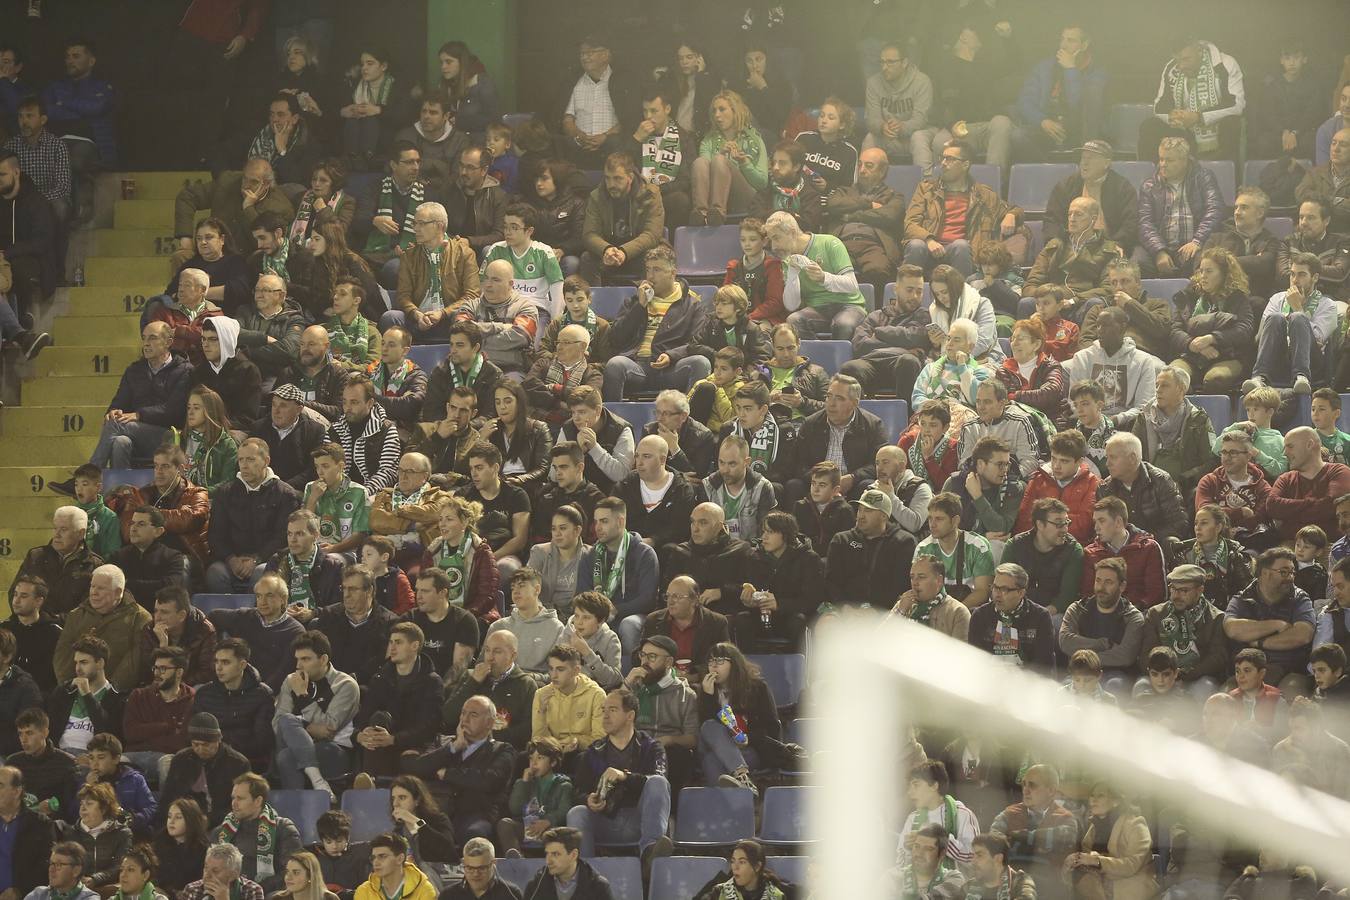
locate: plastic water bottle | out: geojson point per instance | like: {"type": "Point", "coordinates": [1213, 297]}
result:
{"type": "Point", "coordinates": [764, 614]}
{"type": "Point", "coordinates": [532, 812]}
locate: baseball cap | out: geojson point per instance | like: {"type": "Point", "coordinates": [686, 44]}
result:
{"type": "Point", "coordinates": [875, 499]}
{"type": "Point", "coordinates": [1097, 145]}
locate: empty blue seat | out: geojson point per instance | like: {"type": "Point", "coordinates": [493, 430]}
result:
{"type": "Point", "coordinates": [905, 180]}
{"type": "Point", "coordinates": [303, 807]}
{"type": "Point", "coordinates": [701, 251]}
{"type": "Point", "coordinates": [518, 872]}
{"type": "Point", "coordinates": [791, 869]}
{"type": "Point", "coordinates": [428, 356]}
{"type": "Point", "coordinates": [988, 174]}
{"type": "Point", "coordinates": [369, 811]}
{"type": "Point", "coordinates": [714, 816]}
{"type": "Point", "coordinates": [1122, 127]}
{"type": "Point", "coordinates": [624, 874]}
{"type": "Point", "coordinates": [796, 730]}
{"type": "Point", "coordinates": [1302, 405]}
{"type": "Point", "coordinates": [889, 293]}
{"type": "Point", "coordinates": [1037, 229]}
{"type": "Point", "coordinates": [1030, 184]}
{"type": "Point", "coordinates": [606, 301]}
{"type": "Point", "coordinates": [785, 674]}
{"type": "Point", "coordinates": [1226, 174]}
{"type": "Point", "coordinates": [1251, 172]}
{"type": "Point", "coordinates": [1280, 226]}
{"type": "Point", "coordinates": [681, 877]}
{"type": "Point", "coordinates": [1343, 423]}
{"type": "Point", "coordinates": [1136, 171]}
{"type": "Point", "coordinates": [829, 355]}
{"type": "Point", "coordinates": [212, 602]}
{"type": "Point", "coordinates": [783, 823]}
{"type": "Point", "coordinates": [1219, 407]}
{"type": "Point", "coordinates": [131, 477]}
{"type": "Point", "coordinates": [705, 293]}
{"type": "Point", "coordinates": [516, 119]}
{"type": "Point", "coordinates": [894, 415]}
{"type": "Point", "coordinates": [635, 412]}
{"type": "Point", "coordinates": [869, 294]}
{"type": "Point", "coordinates": [1165, 288]}
{"type": "Point", "coordinates": [593, 177]}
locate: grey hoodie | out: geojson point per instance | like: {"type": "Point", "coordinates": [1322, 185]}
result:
{"type": "Point", "coordinates": [909, 101]}
{"type": "Point", "coordinates": [535, 637]}
{"type": "Point", "coordinates": [1128, 377]}
{"type": "Point", "coordinates": [757, 501]}
{"type": "Point", "coordinates": [602, 664]}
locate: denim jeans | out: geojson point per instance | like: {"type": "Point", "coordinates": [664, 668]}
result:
{"type": "Point", "coordinates": [644, 823]}
{"type": "Point", "coordinates": [9, 320]}
{"type": "Point", "coordinates": [436, 334]}
{"type": "Point", "coordinates": [622, 373]}
{"type": "Point", "coordinates": [1286, 346]}
{"type": "Point", "coordinates": [152, 763]}
{"type": "Point", "coordinates": [837, 319]}
{"type": "Point", "coordinates": [719, 754]}
{"type": "Point", "coordinates": [121, 444]}
{"type": "Point", "coordinates": [630, 631]}
{"type": "Point", "coordinates": [958, 256]}
{"type": "Point", "coordinates": [220, 580]}
{"type": "Point", "coordinates": [297, 751]}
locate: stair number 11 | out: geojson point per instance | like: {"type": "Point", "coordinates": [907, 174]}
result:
{"type": "Point", "coordinates": [100, 364]}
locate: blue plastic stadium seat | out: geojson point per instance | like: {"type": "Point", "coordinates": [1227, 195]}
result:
{"type": "Point", "coordinates": [212, 602]}
{"type": "Point", "coordinates": [1302, 411]}
{"type": "Point", "coordinates": [705, 293]}
{"type": "Point", "coordinates": [606, 301]}
{"type": "Point", "coordinates": [1135, 171]}
{"type": "Point", "coordinates": [889, 292]}
{"type": "Point", "coordinates": [369, 811]}
{"type": "Point", "coordinates": [428, 356]}
{"type": "Point", "coordinates": [516, 119]}
{"type": "Point", "coordinates": [635, 412]}
{"type": "Point", "coordinates": [624, 874]}
{"type": "Point", "coordinates": [593, 177]}
{"type": "Point", "coordinates": [1343, 423]}
{"type": "Point", "coordinates": [783, 823]}
{"type": "Point", "coordinates": [714, 816]}
{"type": "Point", "coordinates": [1226, 174]}
{"type": "Point", "coordinates": [1166, 288]}
{"type": "Point", "coordinates": [905, 180]}
{"type": "Point", "coordinates": [1251, 172]}
{"type": "Point", "coordinates": [894, 415]}
{"type": "Point", "coordinates": [703, 251]}
{"type": "Point", "coordinates": [1219, 407]}
{"type": "Point", "coordinates": [518, 872]}
{"type": "Point", "coordinates": [131, 477]}
{"type": "Point", "coordinates": [1030, 184]}
{"type": "Point", "coordinates": [988, 174]}
{"type": "Point", "coordinates": [829, 355]}
{"type": "Point", "coordinates": [1122, 127]}
{"type": "Point", "coordinates": [785, 674]}
{"type": "Point", "coordinates": [1280, 226]}
{"type": "Point", "coordinates": [869, 293]}
{"type": "Point", "coordinates": [791, 869]}
{"type": "Point", "coordinates": [680, 877]}
{"type": "Point", "coordinates": [796, 730]}
{"type": "Point", "coordinates": [303, 807]}
{"type": "Point", "coordinates": [1037, 229]}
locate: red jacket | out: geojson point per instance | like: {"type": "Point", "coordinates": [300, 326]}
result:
{"type": "Point", "coordinates": [1079, 495]}
{"type": "Point", "coordinates": [218, 21]}
{"type": "Point", "coordinates": [1215, 488]}
{"type": "Point", "coordinates": [187, 513]}
{"type": "Point", "coordinates": [1296, 501]}
{"type": "Point", "coordinates": [938, 472]}
{"type": "Point", "coordinates": [1267, 704]}
{"type": "Point", "coordinates": [1046, 390]}
{"type": "Point", "coordinates": [1145, 568]}
{"type": "Point", "coordinates": [766, 300]}
{"type": "Point", "coordinates": [187, 334]}
{"type": "Point", "coordinates": [151, 724]}
{"type": "Point", "coordinates": [1061, 338]}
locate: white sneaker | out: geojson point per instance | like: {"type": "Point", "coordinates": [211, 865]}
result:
{"type": "Point", "coordinates": [1251, 384]}
{"type": "Point", "coordinates": [738, 781]}
{"type": "Point", "coordinates": [1301, 385]}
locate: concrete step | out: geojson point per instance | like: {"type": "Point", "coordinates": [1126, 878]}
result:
{"type": "Point", "coordinates": [143, 214]}
{"type": "Point", "coordinates": [132, 242]}
{"type": "Point", "coordinates": [75, 360]}
{"type": "Point", "coordinates": [96, 331]}
{"type": "Point", "coordinates": [15, 542]}
{"type": "Point", "coordinates": [115, 301]}
{"type": "Point", "coordinates": [160, 185]}
{"type": "Point", "coordinates": [65, 390]}
{"type": "Point", "coordinates": [30, 510]}
{"type": "Point", "coordinates": [52, 450]}
{"type": "Point", "coordinates": [31, 481]}
{"type": "Point", "coordinates": [125, 270]}
{"type": "Point", "coordinates": [65, 421]}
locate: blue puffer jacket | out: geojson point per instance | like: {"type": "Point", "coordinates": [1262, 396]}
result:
{"type": "Point", "coordinates": [85, 107]}
{"type": "Point", "coordinates": [1202, 191]}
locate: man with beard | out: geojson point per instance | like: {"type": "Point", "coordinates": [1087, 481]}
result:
{"type": "Point", "coordinates": [475, 203]}
{"type": "Point", "coordinates": [909, 493]}
{"type": "Point", "coordinates": [691, 626]}
{"type": "Point", "coordinates": [370, 442]}
{"type": "Point", "coordinates": [667, 705]}
{"type": "Point", "coordinates": [204, 771]}
{"type": "Point", "coordinates": [712, 557]}
{"type": "Point", "coordinates": [789, 189]}
{"type": "Point", "coordinates": [291, 435]}
{"type": "Point", "coordinates": [744, 495]}
{"type": "Point", "coordinates": [1012, 627]}
{"type": "Point", "coordinates": [624, 219]}
{"type": "Point", "coordinates": [1192, 627]}
{"type": "Point", "coordinates": [156, 717]}
{"type": "Point", "coordinates": [869, 563]}
{"type": "Point", "coordinates": [1050, 556]}
{"type": "Point", "coordinates": [890, 345]}
{"type": "Point", "coordinates": [1276, 617]}
{"type": "Point", "coordinates": [1107, 624]}
{"type": "Point", "coordinates": [622, 567]}
{"type": "Point", "coordinates": [316, 374]}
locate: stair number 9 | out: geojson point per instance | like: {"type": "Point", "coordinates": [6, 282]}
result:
{"type": "Point", "coordinates": [37, 483]}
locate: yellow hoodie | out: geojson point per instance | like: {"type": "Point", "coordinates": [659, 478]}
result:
{"type": "Point", "coordinates": [416, 886]}
{"type": "Point", "coordinates": [574, 716]}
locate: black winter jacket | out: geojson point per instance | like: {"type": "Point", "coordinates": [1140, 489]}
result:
{"type": "Point", "coordinates": [245, 715]}
{"type": "Point", "coordinates": [159, 398]}
{"type": "Point", "coordinates": [290, 455]}
{"type": "Point", "coordinates": [405, 699]}
{"type": "Point", "coordinates": [358, 650]}
{"type": "Point", "coordinates": [239, 384]}
{"type": "Point", "coordinates": [105, 713]}
{"type": "Point", "coordinates": [869, 570]}
{"type": "Point", "coordinates": [18, 691]}
{"type": "Point", "coordinates": [820, 526]}
{"type": "Point", "coordinates": [159, 566]}
{"type": "Point", "coordinates": [185, 771]}
{"type": "Point", "coordinates": [698, 448]}
{"type": "Point", "coordinates": [440, 382]}
{"type": "Point", "coordinates": [796, 579]}
{"type": "Point", "coordinates": [719, 565]}
{"type": "Point", "coordinates": [477, 786]}
{"type": "Point", "coordinates": [668, 523]}
{"type": "Point", "coordinates": [863, 436]}
{"type": "Point", "coordinates": [248, 522]}
{"type": "Point", "coordinates": [682, 324]}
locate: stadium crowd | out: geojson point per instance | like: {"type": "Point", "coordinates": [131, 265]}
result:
{"type": "Point", "coordinates": [480, 586]}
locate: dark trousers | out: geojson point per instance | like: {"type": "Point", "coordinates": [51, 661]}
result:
{"type": "Point", "coordinates": [1153, 130]}
{"type": "Point", "coordinates": [677, 204]}
{"type": "Point", "coordinates": [888, 367]}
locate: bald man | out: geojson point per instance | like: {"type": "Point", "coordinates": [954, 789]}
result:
{"type": "Point", "coordinates": [713, 558]}
{"type": "Point", "coordinates": [508, 319]}
{"type": "Point", "coordinates": [497, 677]}
{"type": "Point", "coordinates": [547, 385]}
{"type": "Point", "coordinates": [1306, 494]}
{"type": "Point", "coordinates": [237, 199]}
{"type": "Point", "coordinates": [315, 374]}
{"type": "Point", "coordinates": [150, 399]}
{"type": "Point", "coordinates": [1332, 181]}
{"type": "Point", "coordinates": [269, 330]}
{"type": "Point", "coordinates": [867, 217]}
{"type": "Point", "coordinates": [659, 499]}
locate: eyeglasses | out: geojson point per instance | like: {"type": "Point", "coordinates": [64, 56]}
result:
{"type": "Point", "coordinates": [161, 670]}
{"type": "Point", "coordinates": [951, 160]}
{"type": "Point", "coordinates": [412, 472]}
{"type": "Point", "coordinates": [714, 660]}
{"type": "Point", "coordinates": [478, 870]}
{"type": "Point", "coordinates": [1062, 523]}
{"type": "Point", "coordinates": [653, 657]}
{"type": "Point", "coordinates": [890, 62]}
{"type": "Point", "coordinates": [423, 222]}
{"type": "Point", "coordinates": [262, 292]}
{"type": "Point", "coordinates": [59, 864]}
{"type": "Point", "coordinates": [680, 597]}
{"type": "Point", "coordinates": [1005, 589]}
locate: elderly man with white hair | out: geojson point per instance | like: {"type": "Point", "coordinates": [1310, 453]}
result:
{"type": "Point", "coordinates": [693, 447]}
{"type": "Point", "coordinates": [956, 374]}
{"type": "Point", "coordinates": [184, 310]}
{"type": "Point", "coordinates": [507, 318]}
{"type": "Point", "coordinates": [222, 876]}
{"type": "Point", "coordinates": [113, 615]}
{"type": "Point", "coordinates": [820, 288]}
{"type": "Point", "coordinates": [1306, 494]}
{"type": "Point", "coordinates": [65, 562]}
{"type": "Point", "coordinates": [659, 499]}
{"type": "Point", "coordinates": [554, 374]}
{"type": "Point", "coordinates": [1149, 492]}
{"type": "Point", "coordinates": [1177, 436]}
{"type": "Point", "coordinates": [269, 331]}
{"type": "Point", "coordinates": [436, 275]}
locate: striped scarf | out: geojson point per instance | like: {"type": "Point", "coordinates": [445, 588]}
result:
{"type": "Point", "coordinates": [265, 846]}
{"type": "Point", "coordinates": [305, 214]}
{"type": "Point", "coordinates": [379, 241]}
{"type": "Point", "coordinates": [1207, 96]}
{"type": "Point", "coordinates": [387, 383]}
{"type": "Point", "coordinates": [376, 92]}
{"type": "Point", "coordinates": [276, 264]}
{"type": "Point", "coordinates": [917, 464]}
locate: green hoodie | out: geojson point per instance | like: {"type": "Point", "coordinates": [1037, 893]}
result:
{"type": "Point", "coordinates": [554, 793]}
{"type": "Point", "coordinates": [104, 536]}
{"type": "Point", "coordinates": [1268, 445]}
{"type": "Point", "coordinates": [215, 465]}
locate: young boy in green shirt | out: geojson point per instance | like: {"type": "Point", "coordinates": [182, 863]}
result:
{"type": "Point", "coordinates": [343, 508]}
{"type": "Point", "coordinates": [1326, 411]}
{"type": "Point", "coordinates": [1268, 444]}
{"type": "Point", "coordinates": [104, 535]}
{"type": "Point", "coordinates": [537, 274]}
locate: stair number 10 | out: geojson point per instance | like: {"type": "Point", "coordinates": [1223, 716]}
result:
{"type": "Point", "coordinates": [72, 422]}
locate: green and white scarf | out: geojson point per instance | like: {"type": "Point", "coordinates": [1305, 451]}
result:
{"type": "Point", "coordinates": [916, 461]}
{"type": "Point", "coordinates": [389, 383]}
{"type": "Point", "coordinates": [920, 819]}
{"type": "Point", "coordinates": [729, 891]}
{"type": "Point", "coordinates": [379, 241]}
{"type": "Point", "coordinates": [763, 444]}
{"type": "Point", "coordinates": [611, 576]}
{"type": "Point", "coordinates": [147, 893]}
{"type": "Point", "coordinates": [590, 323]}
{"type": "Point", "coordinates": [401, 499]}
{"type": "Point", "coordinates": [265, 848]}
{"type": "Point", "coordinates": [1309, 307]}
{"type": "Point", "coordinates": [911, 884]}
{"type": "Point", "coordinates": [788, 198]}
{"type": "Point", "coordinates": [1217, 563]}
{"type": "Point", "coordinates": [923, 614]}
{"type": "Point", "coordinates": [305, 214]}
{"type": "Point", "coordinates": [456, 565]}
{"type": "Point", "coordinates": [376, 92]}
{"type": "Point", "coordinates": [433, 299]}
{"type": "Point", "coordinates": [466, 380]}
{"type": "Point", "coordinates": [297, 576]}
{"type": "Point", "coordinates": [975, 890]}
{"type": "Point", "coordinates": [1207, 96]}
{"type": "Point", "coordinates": [1178, 628]}
{"type": "Point", "coordinates": [276, 265]}
{"type": "Point", "coordinates": [662, 156]}
{"type": "Point", "coordinates": [350, 342]}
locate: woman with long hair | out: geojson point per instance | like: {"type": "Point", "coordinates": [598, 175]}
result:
{"type": "Point", "coordinates": [954, 299]}
{"type": "Point", "coordinates": [558, 194]}
{"type": "Point", "coordinates": [1031, 375]}
{"type": "Point", "coordinates": [102, 831]}
{"type": "Point", "coordinates": [732, 164]}
{"type": "Point", "coordinates": [325, 201]}
{"type": "Point", "coordinates": [134, 875]}
{"type": "Point", "coordinates": [418, 820]}
{"type": "Point", "coordinates": [834, 155]}
{"type": "Point", "coordinates": [768, 95]}
{"type": "Point", "coordinates": [1228, 568]}
{"type": "Point", "coordinates": [181, 846]}
{"type": "Point", "coordinates": [472, 92]}
{"type": "Point", "coordinates": [1213, 323]}
{"type": "Point", "coordinates": [1114, 860]}
{"type": "Point", "coordinates": [466, 558]}
{"type": "Point", "coordinates": [524, 441]}
{"type": "Point", "coordinates": [691, 86]}
{"type": "Point", "coordinates": [329, 259]}
{"type": "Point", "coordinates": [748, 877]}
{"type": "Point", "coordinates": [206, 439]}
{"type": "Point", "coordinates": [304, 880]}
{"type": "Point", "coordinates": [740, 720]}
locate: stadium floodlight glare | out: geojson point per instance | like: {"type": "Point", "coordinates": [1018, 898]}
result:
{"type": "Point", "coordinates": [870, 681]}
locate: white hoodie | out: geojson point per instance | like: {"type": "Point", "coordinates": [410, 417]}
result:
{"type": "Point", "coordinates": [227, 331]}
{"type": "Point", "coordinates": [1129, 378]}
